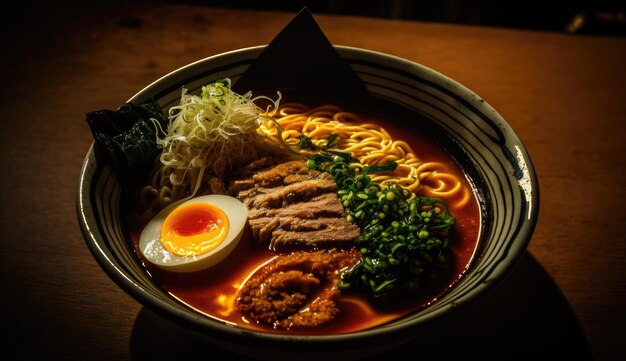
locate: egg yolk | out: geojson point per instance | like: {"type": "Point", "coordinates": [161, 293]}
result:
{"type": "Point", "coordinates": [194, 229]}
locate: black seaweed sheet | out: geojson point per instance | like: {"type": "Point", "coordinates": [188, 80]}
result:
{"type": "Point", "coordinates": [302, 63]}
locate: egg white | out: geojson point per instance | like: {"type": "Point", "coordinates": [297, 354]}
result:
{"type": "Point", "coordinates": [152, 249]}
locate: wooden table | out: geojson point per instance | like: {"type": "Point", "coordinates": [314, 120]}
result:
{"type": "Point", "coordinates": [564, 95]}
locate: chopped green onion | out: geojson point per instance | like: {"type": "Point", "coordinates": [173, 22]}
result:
{"type": "Point", "coordinates": [396, 233]}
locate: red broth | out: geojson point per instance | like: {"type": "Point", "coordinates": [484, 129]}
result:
{"type": "Point", "coordinates": [212, 292]}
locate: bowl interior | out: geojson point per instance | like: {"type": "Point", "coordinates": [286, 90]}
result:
{"type": "Point", "coordinates": [498, 162]}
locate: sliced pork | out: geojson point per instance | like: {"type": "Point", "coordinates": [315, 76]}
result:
{"type": "Point", "coordinates": [282, 196]}
{"type": "Point", "coordinates": [296, 230]}
{"type": "Point", "coordinates": [328, 237]}
{"type": "Point", "coordinates": [291, 206]}
{"type": "Point", "coordinates": [325, 205]}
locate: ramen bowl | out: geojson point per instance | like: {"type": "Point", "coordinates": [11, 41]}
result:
{"type": "Point", "coordinates": [489, 151]}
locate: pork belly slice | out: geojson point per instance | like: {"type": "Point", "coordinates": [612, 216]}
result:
{"type": "Point", "coordinates": [292, 193]}
{"type": "Point", "coordinates": [240, 185]}
{"type": "Point", "coordinates": [284, 173]}
{"type": "Point", "coordinates": [325, 205]}
{"type": "Point", "coordinates": [250, 188]}
{"type": "Point", "coordinates": [245, 188]}
{"type": "Point", "coordinates": [263, 228]}
{"type": "Point", "coordinates": [258, 165]}
{"type": "Point", "coordinates": [325, 238]}
{"type": "Point", "coordinates": [244, 178]}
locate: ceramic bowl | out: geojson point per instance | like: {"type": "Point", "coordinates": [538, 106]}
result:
{"type": "Point", "coordinates": [499, 167]}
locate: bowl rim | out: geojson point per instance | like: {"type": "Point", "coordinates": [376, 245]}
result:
{"type": "Point", "coordinates": [203, 324]}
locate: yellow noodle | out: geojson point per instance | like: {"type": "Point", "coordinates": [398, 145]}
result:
{"type": "Point", "coordinates": [372, 145]}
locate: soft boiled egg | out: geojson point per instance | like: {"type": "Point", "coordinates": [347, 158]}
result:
{"type": "Point", "coordinates": [195, 234]}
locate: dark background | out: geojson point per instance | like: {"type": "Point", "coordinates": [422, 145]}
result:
{"type": "Point", "coordinates": [601, 17]}
{"type": "Point", "coordinates": [605, 17]}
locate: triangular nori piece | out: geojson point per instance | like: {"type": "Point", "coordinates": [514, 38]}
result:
{"type": "Point", "coordinates": [302, 64]}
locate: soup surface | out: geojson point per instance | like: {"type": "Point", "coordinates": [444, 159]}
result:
{"type": "Point", "coordinates": [213, 291]}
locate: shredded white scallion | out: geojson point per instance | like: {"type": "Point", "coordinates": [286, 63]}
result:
{"type": "Point", "coordinates": [208, 135]}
